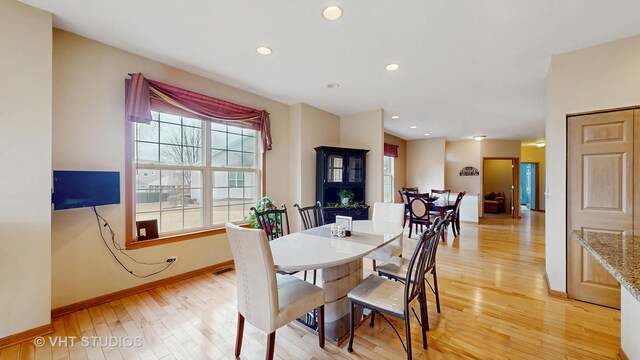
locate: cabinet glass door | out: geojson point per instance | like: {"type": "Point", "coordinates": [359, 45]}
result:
{"type": "Point", "coordinates": [335, 167]}
{"type": "Point", "coordinates": [354, 169]}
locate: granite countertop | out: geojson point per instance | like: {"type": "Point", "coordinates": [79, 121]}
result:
{"type": "Point", "coordinates": [619, 254]}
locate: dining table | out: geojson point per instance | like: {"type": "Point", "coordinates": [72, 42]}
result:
{"type": "Point", "coordinates": [340, 261]}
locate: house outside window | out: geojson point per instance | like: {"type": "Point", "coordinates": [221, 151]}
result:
{"type": "Point", "coordinates": [388, 178]}
{"type": "Point", "coordinates": [193, 175]}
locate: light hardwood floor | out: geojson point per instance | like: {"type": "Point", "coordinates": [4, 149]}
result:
{"type": "Point", "coordinates": [494, 306]}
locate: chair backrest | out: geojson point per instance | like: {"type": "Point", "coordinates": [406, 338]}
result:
{"type": "Point", "coordinates": [256, 283]}
{"type": "Point", "coordinates": [418, 206]}
{"type": "Point", "coordinates": [416, 269]}
{"type": "Point", "coordinates": [273, 221]}
{"type": "Point", "coordinates": [456, 207]}
{"type": "Point", "coordinates": [312, 216]}
{"type": "Point", "coordinates": [443, 195]}
{"type": "Point", "coordinates": [388, 212]}
{"type": "Point", "coordinates": [410, 189]}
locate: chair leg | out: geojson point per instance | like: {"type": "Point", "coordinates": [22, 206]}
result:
{"type": "Point", "coordinates": [425, 317]}
{"type": "Point", "coordinates": [321, 326]}
{"type": "Point", "coordinates": [407, 325]}
{"type": "Point", "coordinates": [410, 227]}
{"type": "Point", "coordinates": [374, 265]}
{"type": "Point", "coordinates": [305, 275]}
{"type": "Point", "coordinates": [435, 288]}
{"type": "Point", "coordinates": [373, 319]}
{"type": "Point", "coordinates": [351, 321]}
{"type": "Point", "coordinates": [239, 333]}
{"type": "Point", "coordinates": [315, 272]}
{"type": "Point", "coordinates": [271, 345]}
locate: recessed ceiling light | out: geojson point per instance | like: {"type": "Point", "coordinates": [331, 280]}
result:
{"type": "Point", "coordinates": [414, 127]}
{"type": "Point", "coordinates": [427, 134]}
{"type": "Point", "coordinates": [333, 86]}
{"type": "Point", "coordinates": [395, 117]}
{"type": "Point", "coordinates": [479, 137]}
{"type": "Point", "coordinates": [392, 67]}
{"type": "Point", "coordinates": [263, 50]}
{"type": "Point", "coordinates": [541, 144]}
{"type": "Point", "coordinates": [332, 12]}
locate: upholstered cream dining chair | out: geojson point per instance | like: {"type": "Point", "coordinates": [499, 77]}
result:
{"type": "Point", "coordinates": [393, 213]}
{"type": "Point", "coordinates": [268, 300]}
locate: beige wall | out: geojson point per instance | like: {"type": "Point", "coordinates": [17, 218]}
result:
{"type": "Point", "coordinates": [88, 134]}
{"type": "Point", "coordinates": [399, 165]}
{"type": "Point", "coordinates": [537, 155]}
{"type": "Point", "coordinates": [309, 127]}
{"type": "Point", "coordinates": [366, 131]}
{"type": "Point", "coordinates": [425, 164]}
{"type": "Point", "coordinates": [25, 133]}
{"type": "Point", "coordinates": [498, 177]}
{"type": "Point", "coordinates": [501, 148]}
{"type": "Point", "coordinates": [601, 77]}
{"type": "Point", "coordinates": [460, 154]}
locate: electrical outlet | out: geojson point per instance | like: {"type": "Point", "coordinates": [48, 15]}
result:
{"type": "Point", "coordinates": [172, 259]}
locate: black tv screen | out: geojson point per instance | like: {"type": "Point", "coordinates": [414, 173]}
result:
{"type": "Point", "coordinates": [76, 189]}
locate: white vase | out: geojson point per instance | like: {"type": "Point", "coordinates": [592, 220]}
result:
{"type": "Point", "coordinates": [345, 201]}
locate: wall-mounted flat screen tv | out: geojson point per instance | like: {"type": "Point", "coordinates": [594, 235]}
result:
{"type": "Point", "coordinates": [76, 189]}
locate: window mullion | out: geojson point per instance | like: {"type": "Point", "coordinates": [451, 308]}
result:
{"type": "Point", "coordinates": [207, 185]}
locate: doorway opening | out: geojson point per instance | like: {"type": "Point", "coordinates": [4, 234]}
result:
{"type": "Point", "coordinates": [530, 185]}
{"type": "Point", "coordinates": [500, 195]}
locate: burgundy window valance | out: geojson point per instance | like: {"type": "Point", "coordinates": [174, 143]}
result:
{"type": "Point", "coordinates": [143, 95]}
{"type": "Point", "coordinates": [391, 150]}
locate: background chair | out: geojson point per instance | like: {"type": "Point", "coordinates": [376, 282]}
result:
{"type": "Point", "coordinates": [442, 195]}
{"type": "Point", "coordinates": [384, 296]}
{"type": "Point", "coordinates": [419, 210]}
{"type": "Point", "coordinates": [266, 299]}
{"type": "Point", "coordinates": [494, 202]}
{"type": "Point", "coordinates": [275, 224]}
{"type": "Point", "coordinates": [455, 214]}
{"type": "Point", "coordinates": [396, 267]}
{"type": "Point", "coordinates": [393, 213]}
{"type": "Point", "coordinates": [312, 216]}
{"type": "Point", "coordinates": [273, 221]}
{"type": "Point", "coordinates": [405, 201]}
{"type": "Point", "coordinates": [410, 189]}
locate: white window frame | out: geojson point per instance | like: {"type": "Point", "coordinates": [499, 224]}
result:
{"type": "Point", "coordinates": [390, 175]}
{"type": "Point", "coordinates": [206, 170]}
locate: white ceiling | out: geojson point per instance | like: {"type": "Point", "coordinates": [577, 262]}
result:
{"type": "Point", "coordinates": [466, 66]}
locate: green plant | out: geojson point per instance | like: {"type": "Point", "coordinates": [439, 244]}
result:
{"type": "Point", "coordinates": [265, 203]}
{"type": "Point", "coordinates": [345, 193]}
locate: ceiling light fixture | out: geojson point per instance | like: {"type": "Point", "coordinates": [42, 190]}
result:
{"type": "Point", "coordinates": [395, 117]}
{"type": "Point", "coordinates": [414, 127]}
{"type": "Point", "coordinates": [541, 144]}
{"type": "Point", "coordinates": [427, 134]}
{"type": "Point", "coordinates": [333, 86]}
{"type": "Point", "coordinates": [392, 67]}
{"type": "Point", "coordinates": [332, 12]}
{"type": "Point", "coordinates": [263, 50]}
{"type": "Point", "coordinates": [479, 137]}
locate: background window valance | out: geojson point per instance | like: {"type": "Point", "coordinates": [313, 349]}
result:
{"type": "Point", "coordinates": [391, 150]}
{"type": "Point", "coordinates": [143, 95]}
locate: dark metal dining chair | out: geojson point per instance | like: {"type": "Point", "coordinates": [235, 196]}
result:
{"type": "Point", "coordinates": [410, 189]}
{"type": "Point", "coordinates": [375, 292]}
{"type": "Point", "coordinates": [405, 201]}
{"type": "Point", "coordinates": [312, 217]}
{"type": "Point", "coordinates": [273, 221]}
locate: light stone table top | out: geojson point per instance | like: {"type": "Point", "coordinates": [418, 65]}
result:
{"type": "Point", "coordinates": [619, 254]}
{"type": "Point", "coordinates": [316, 249]}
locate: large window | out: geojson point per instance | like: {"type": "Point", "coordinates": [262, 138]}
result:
{"type": "Point", "coordinates": [193, 175]}
{"type": "Point", "coordinates": [388, 178]}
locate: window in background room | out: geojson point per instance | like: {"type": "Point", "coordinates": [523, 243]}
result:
{"type": "Point", "coordinates": [388, 178]}
{"type": "Point", "coordinates": [193, 175]}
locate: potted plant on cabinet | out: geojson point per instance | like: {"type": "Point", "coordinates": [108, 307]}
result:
{"type": "Point", "coordinates": [346, 196]}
